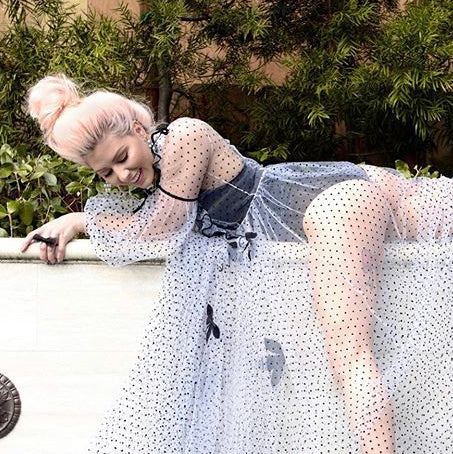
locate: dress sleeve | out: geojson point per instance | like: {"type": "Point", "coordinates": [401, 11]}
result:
{"type": "Point", "coordinates": [161, 226]}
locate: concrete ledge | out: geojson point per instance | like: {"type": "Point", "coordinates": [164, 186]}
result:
{"type": "Point", "coordinates": [76, 251]}
{"type": "Point", "coordinates": [70, 335]}
{"type": "Point", "coordinates": [397, 251]}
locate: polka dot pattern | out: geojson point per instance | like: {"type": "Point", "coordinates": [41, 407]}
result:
{"type": "Point", "coordinates": [162, 224]}
{"type": "Point", "coordinates": [305, 307]}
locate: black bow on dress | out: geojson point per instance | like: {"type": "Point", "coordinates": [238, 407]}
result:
{"type": "Point", "coordinates": [210, 325]}
{"type": "Point", "coordinates": [276, 361]}
{"type": "Point", "coordinates": [232, 239]}
{"type": "Point", "coordinates": [238, 240]}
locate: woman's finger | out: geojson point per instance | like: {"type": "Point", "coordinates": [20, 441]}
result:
{"type": "Point", "coordinates": [50, 248]}
{"type": "Point", "coordinates": [28, 239]}
{"type": "Point", "coordinates": [44, 248]}
{"type": "Point", "coordinates": [43, 252]}
{"type": "Point", "coordinates": [60, 250]}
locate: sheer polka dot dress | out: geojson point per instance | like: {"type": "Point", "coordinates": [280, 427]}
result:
{"type": "Point", "coordinates": [305, 307]}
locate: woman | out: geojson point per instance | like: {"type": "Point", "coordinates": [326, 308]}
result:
{"type": "Point", "coordinates": [249, 351]}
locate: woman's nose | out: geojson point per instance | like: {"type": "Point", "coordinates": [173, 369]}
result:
{"type": "Point", "coordinates": [125, 176]}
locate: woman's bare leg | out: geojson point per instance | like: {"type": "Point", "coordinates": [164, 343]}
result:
{"type": "Point", "coordinates": [346, 227]}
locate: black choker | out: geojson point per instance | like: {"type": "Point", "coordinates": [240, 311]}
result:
{"type": "Point", "coordinates": [160, 129]}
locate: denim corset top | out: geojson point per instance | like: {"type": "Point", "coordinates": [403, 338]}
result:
{"type": "Point", "coordinates": [225, 207]}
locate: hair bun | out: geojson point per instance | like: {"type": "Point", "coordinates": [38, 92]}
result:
{"type": "Point", "coordinates": [48, 97]}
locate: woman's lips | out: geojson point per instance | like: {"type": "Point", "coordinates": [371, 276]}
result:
{"type": "Point", "coordinates": [140, 178]}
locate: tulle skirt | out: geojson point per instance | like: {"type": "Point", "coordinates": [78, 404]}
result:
{"type": "Point", "coordinates": [233, 359]}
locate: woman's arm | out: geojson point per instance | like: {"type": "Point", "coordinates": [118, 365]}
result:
{"type": "Point", "coordinates": [120, 236]}
{"type": "Point", "coordinates": [80, 222]}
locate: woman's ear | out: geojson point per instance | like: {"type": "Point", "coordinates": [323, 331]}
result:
{"type": "Point", "coordinates": [139, 129]}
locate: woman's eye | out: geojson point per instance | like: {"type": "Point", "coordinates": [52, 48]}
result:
{"type": "Point", "coordinates": [110, 172]}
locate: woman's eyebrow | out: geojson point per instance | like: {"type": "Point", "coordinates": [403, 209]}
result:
{"type": "Point", "coordinates": [116, 155]}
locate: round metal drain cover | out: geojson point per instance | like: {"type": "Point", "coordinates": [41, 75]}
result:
{"type": "Point", "coordinates": [9, 405]}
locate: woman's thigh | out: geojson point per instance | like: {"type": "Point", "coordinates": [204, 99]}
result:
{"type": "Point", "coordinates": [426, 209]}
{"type": "Point", "coordinates": [346, 228]}
{"type": "Point", "coordinates": [422, 208]}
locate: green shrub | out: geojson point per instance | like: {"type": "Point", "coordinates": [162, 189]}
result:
{"type": "Point", "coordinates": [384, 75]}
{"type": "Point", "coordinates": [381, 72]}
{"type": "Point", "coordinates": [36, 189]}
{"type": "Point", "coordinates": [36, 184]}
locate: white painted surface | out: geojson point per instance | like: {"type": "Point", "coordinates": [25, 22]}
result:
{"type": "Point", "coordinates": [69, 335]}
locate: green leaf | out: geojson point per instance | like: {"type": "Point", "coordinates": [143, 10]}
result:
{"type": "Point", "coordinates": [50, 178]}
{"type": "Point", "coordinates": [99, 186]}
{"type": "Point", "coordinates": [12, 206]}
{"type": "Point", "coordinates": [37, 175]}
{"type": "Point", "coordinates": [73, 187]}
{"type": "Point", "coordinates": [35, 193]}
{"type": "Point", "coordinates": [403, 168]}
{"type": "Point", "coordinates": [26, 212]}
{"type": "Point", "coordinates": [3, 233]}
{"type": "Point", "coordinates": [6, 170]}
{"type": "Point", "coordinates": [6, 158]}
{"type": "Point", "coordinates": [6, 149]}
{"type": "Point", "coordinates": [88, 179]}
{"type": "Point", "coordinates": [3, 212]}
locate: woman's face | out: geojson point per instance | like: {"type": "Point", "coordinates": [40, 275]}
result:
{"type": "Point", "coordinates": [121, 160]}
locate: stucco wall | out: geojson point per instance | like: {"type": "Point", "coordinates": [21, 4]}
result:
{"type": "Point", "coordinates": [69, 335]}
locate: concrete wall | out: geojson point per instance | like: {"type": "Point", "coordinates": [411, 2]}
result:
{"type": "Point", "coordinates": [69, 335]}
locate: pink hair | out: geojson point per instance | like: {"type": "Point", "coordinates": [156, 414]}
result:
{"type": "Point", "coordinates": [73, 125]}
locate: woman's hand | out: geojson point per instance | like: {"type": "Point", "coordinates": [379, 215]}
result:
{"type": "Point", "coordinates": [63, 229]}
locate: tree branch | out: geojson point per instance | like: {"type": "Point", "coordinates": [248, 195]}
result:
{"type": "Point", "coordinates": [195, 19]}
